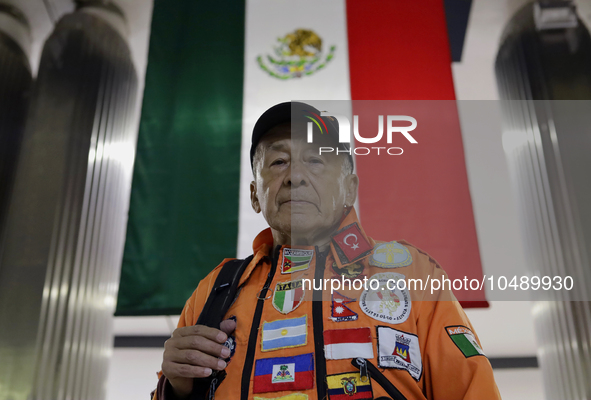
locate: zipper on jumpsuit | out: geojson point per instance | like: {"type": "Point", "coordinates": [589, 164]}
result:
{"type": "Point", "coordinates": [319, 326]}
{"type": "Point", "coordinates": [316, 318]}
{"type": "Point", "coordinates": [254, 330]}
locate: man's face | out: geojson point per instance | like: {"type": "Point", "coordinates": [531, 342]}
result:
{"type": "Point", "coordinates": [300, 192]}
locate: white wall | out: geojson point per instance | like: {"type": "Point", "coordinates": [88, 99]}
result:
{"type": "Point", "coordinates": [520, 384]}
{"type": "Point", "coordinates": [506, 328]}
{"type": "Point", "coordinates": [132, 374]}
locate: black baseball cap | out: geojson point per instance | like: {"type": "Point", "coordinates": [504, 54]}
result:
{"type": "Point", "coordinates": [293, 111]}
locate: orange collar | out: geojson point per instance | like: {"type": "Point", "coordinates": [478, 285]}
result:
{"type": "Point", "coordinates": [263, 243]}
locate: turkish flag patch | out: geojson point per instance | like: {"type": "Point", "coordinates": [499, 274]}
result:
{"type": "Point", "coordinates": [350, 244]}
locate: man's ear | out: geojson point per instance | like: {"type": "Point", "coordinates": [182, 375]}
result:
{"type": "Point", "coordinates": [254, 200]}
{"type": "Point", "coordinates": [351, 185]}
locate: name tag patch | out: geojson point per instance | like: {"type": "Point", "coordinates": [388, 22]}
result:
{"type": "Point", "coordinates": [400, 350]}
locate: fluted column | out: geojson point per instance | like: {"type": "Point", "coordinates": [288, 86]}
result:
{"type": "Point", "coordinates": [59, 268]}
{"type": "Point", "coordinates": [15, 86]}
{"type": "Point", "coordinates": [543, 71]}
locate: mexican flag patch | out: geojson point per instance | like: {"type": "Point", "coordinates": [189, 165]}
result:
{"type": "Point", "coordinates": [465, 340]}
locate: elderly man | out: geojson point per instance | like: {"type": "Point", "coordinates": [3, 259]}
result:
{"type": "Point", "coordinates": [293, 337]}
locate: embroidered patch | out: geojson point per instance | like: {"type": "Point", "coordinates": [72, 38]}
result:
{"type": "Point", "coordinates": [284, 333]}
{"type": "Point", "coordinates": [297, 54]}
{"type": "Point", "coordinates": [288, 295]}
{"type": "Point", "coordinates": [400, 350]}
{"type": "Point", "coordinates": [465, 340]}
{"type": "Point", "coordinates": [284, 373]}
{"type": "Point", "coordinates": [390, 255]}
{"type": "Point", "coordinates": [339, 310]}
{"type": "Point", "coordinates": [231, 344]}
{"type": "Point", "coordinates": [384, 304]}
{"type": "Point", "coordinates": [348, 343]}
{"type": "Point", "coordinates": [348, 386]}
{"type": "Point", "coordinates": [348, 271]}
{"type": "Point", "coordinates": [293, 396]}
{"type": "Point", "coordinates": [295, 260]}
{"type": "Point", "coordinates": [350, 244]}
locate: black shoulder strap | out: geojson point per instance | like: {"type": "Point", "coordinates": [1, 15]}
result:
{"type": "Point", "coordinates": [218, 302]}
{"type": "Point", "coordinates": [223, 293]}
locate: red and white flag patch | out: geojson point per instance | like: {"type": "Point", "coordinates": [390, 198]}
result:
{"type": "Point", "coordinates": [348, 343]}
{"type": "Point", "coordinates": [350, 244]}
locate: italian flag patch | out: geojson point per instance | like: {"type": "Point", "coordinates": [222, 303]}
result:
{"type": "Point", "coordinates": [465, 340]}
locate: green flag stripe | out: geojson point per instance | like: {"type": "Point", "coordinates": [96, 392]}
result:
{"type": "Point", "coordinates": [465, 345]}
{"type": "Point", "coordinates": [279, 299]}
{"type": "Point", "coordinates": [183, 217]}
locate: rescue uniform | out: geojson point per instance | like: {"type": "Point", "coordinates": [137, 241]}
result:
{"type": "Point", "coordinates": [288, 345]}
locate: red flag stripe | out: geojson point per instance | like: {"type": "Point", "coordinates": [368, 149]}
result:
{"type": "Point", "coordinates": [336, 336]}
{"type": "Point", "coordinates": [356, 396]}
{"type": "Point", "coordinates": [400, 51]}
{"type": "Point", "coordinates": [303, 380]}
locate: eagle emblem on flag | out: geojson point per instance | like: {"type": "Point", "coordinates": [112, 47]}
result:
{"type": "Point", "coordinates": [297, 54]}
{"type": "Point", "coordinates": [349, 386]}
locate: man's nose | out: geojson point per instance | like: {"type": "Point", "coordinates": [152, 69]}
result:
{"type": "Point", "coordinates": [296, 176]}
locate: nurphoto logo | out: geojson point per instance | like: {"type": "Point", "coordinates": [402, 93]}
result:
{"type": "Point", "coordinates": [391, 128]}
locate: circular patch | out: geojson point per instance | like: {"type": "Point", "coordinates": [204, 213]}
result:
{"type": "Point", "coordinates": [387, 303]}
{"type": "Point", "coordinates": [390, 255]}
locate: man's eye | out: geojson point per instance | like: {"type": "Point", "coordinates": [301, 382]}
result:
{"type": "Point", "coordinates": [316, 161]}
{"type": "Point", "coordinates": [278, 162]}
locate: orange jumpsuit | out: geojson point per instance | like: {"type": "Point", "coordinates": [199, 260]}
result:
{"type": "Point", "coordinates": [301, 348]}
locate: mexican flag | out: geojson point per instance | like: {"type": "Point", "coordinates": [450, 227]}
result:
{"type": "Point", "coordinates": [213, 70]}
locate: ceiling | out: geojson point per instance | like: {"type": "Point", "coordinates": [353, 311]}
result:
{"type": "Point", "coordinates": [42, 15]}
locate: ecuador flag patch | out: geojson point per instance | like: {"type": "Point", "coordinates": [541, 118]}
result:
{"type": "Point", "coordinates": [348, 386]}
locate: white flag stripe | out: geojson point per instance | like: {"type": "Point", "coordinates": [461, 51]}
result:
{"type": "Point", "coordinates": [267, 20]}
{"type": "Point", "coordinates": [341, 351]}
{"type": "Point", "coordinates": [288, 302]}
{"type": "Point", "coordinates": [277, 333]}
